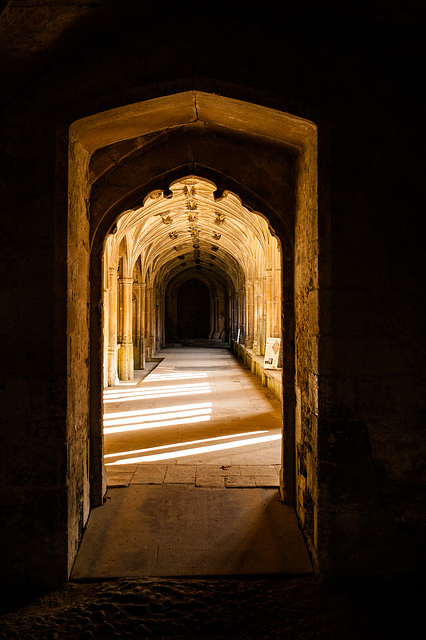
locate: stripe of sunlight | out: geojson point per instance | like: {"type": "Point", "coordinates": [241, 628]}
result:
{"type": "Point", "coordinates": [161, 423]}
{"type": "Point", "coordinates": [163, 389]}
{"type": "Point", "coordinates": [159, 395]}
{"type": "Point", "coordinates": [196, 450]}
{"type": "Point", "coordinates": [179, 444]}
{"type": "Point", "coordinates": [154, 377]}
{"type": "Point", "coordinates": [139, 412]}
{"type": "Point", "coordinates": [138, 419]}
{"type": "Point", "coordinates": [127, 392]}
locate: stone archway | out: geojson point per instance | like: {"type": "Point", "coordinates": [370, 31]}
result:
{"type": "Point", "coordinates": [198, 133]}
{"type": "Point", "coordinates": [193, 310]}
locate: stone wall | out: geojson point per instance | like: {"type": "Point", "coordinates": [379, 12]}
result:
{"type": "Point", "coordinates": [357, 79]}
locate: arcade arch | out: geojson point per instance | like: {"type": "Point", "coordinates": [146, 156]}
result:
{"type": "Point", "coordinates": [188, 236]}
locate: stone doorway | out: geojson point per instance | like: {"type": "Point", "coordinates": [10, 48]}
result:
{"type": "Point", "coordinates": [290, 209]}
{"type": "Point", "coordinates": [193, 310]}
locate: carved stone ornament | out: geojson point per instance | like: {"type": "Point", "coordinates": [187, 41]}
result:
{"type": "Point", "coordinates": [189, 192]}
{"type": "Point", "coordinates": [191, 203]}
{"type": "Point", "coordinates": [165, 217]}
{"type": "Point", "coordinates": [194, 230]}
{"type": "Point", "coordinates": [220, 218]}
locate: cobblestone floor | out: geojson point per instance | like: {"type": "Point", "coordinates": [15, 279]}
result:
{"type": "Point", "coordinates": [244, 609]}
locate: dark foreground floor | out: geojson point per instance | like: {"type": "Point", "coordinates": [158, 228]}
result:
{"type": "Point", "coordinates": [259, 608]}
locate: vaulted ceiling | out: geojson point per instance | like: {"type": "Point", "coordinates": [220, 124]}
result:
{"type": "Point", "coordinates": [189, 230]}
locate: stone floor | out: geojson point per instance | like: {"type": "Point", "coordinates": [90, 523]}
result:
{"type": "Point", "coordinates": [198, 418]}
{"type": "Point", "coordinates": [183, 530]}
{"type": "Point", "coordinates": [192, 451]}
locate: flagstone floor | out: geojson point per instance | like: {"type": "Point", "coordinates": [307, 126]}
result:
{"type": "Point", "coordinates": [199, 418]}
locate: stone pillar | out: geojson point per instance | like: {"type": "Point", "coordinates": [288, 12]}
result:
{"type": "Point", "coordinates": [257, 319]}
{"type": "Point", "coordinates": [105, 333]}
{"type": "Point", "coordinates": [112, 328]}
{"type": "Point", "coordinates": [262, 317]}
{"type": "Point", "coordinates": [249, 315]}
{"type": "Point", "coordinates": [212, 312]}
{"type": "Point", "coordinates": [269, 306]}
{"type": "Point", "coordinates": [276, 301]}
{"type": "Point", "coordinates": [125, 352]}
{"type": "Point", "coordinates": [142, 325]}
{"type": "Point", "coordinates": [235, 313]}
{"type": "Point", "coordinates": [242, 296]}
{"type": "Point", "coordinates": [157, 317]}
{"type": "Point", "coordinates": [136, 325]}
{"type": "Point", "coordinates": [239, 316]}
{"type": "Point", "coordinates": [215, 327]}
{"type": "Point", "coordinates": [150, 324]}
{"type": "Point", "coordinates": [161, 311]}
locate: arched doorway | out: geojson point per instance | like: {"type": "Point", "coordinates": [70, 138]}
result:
{"type": "Point", "coordinates": [289, 143]}
{"type": "Point", "coordinates": [193, 310]}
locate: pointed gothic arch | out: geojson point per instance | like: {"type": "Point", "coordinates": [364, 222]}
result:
{"type": "Point", "coordinates": [195, 133]}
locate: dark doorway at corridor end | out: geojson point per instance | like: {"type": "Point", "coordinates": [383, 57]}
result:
{"type": "Point", "coordinates": [193, 310]}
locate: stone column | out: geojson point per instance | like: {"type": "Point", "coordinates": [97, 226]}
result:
{"type": "Point", "coordinates": [142, 325]}
{"type": "Point", "coordinates": [257, 318]}
{"type": "Point", "coordinates": [239, 317]}
{"type": "Point", "coordinates": [212, 312]}
{"type": "Point", "coordinates": [242, 296]}
{"type": "Point", "coordinates": [216, 332]}
{"type": "Point", "coordinates": [105, 333]}
{"type": "Point", "coordinates": [136, 325]}
{"type": "Point", "coordinates": [112, 328]}
{"type": "Point", "coordinates": [157, 317]}
{"type": "Point", "coordinates": [161, 310]}
{"type": "Point", "coordinates": [235, 314]}
{"type": "Point", "coordinates": [262, 317]}
{"type": "Point", "coordinates": [249, 315]}
{"type": "Point", "coordinates": [269, 306]}
{"type": "Point", "coordinates": [125, 352]}
{"type": "Point", "coordinates": [150, 324]}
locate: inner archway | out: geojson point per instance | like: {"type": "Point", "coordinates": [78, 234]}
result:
{"type": "Point", "coordinates": [210, 275]}
{"type": "Point", "coordinates": [193, 310]}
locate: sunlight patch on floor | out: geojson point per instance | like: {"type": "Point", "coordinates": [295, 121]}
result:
{"type": "Point", "coordinates": [179, 444]}
{"type": "Point", "coordinates": [196, 450]}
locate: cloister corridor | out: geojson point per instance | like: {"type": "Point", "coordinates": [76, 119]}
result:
{"type": "Point", "coordinates": [193, 455]}
{"type": "Point", "coordinates": [198, 418]}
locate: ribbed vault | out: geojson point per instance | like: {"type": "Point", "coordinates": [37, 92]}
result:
{"type": "Point", "coordinates": [190, 227]}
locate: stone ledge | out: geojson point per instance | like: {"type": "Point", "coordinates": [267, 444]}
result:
{"type": "Point", "coordinates": [271, 378]}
